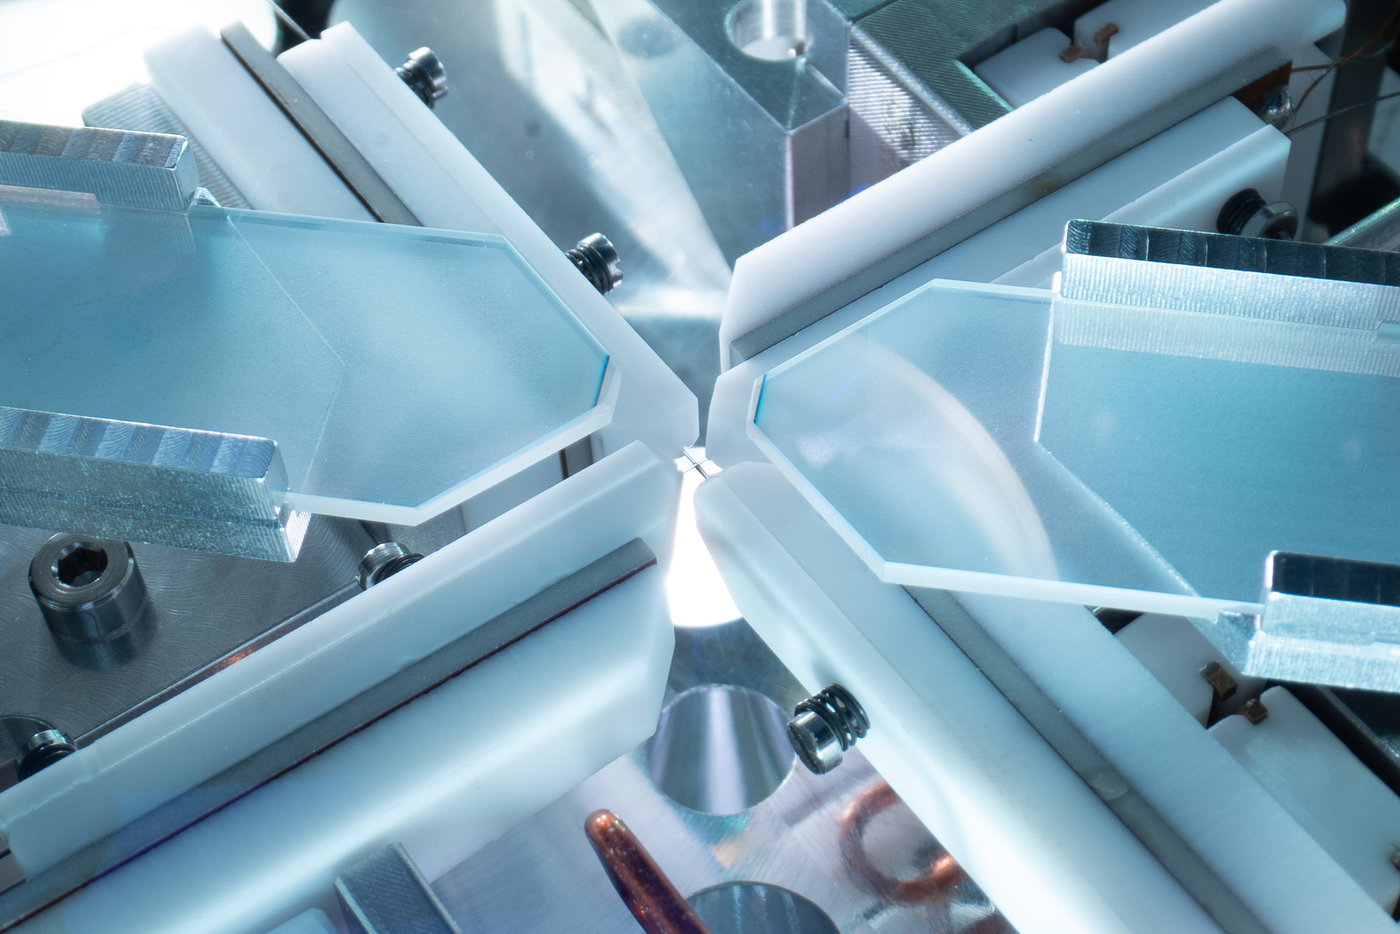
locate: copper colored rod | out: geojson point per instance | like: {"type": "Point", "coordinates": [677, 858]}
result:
{"type": "Point", "coordinates": [644, 888]}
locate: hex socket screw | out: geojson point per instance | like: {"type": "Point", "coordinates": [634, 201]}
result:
{"type": "Point", "coordinates": [824, 726]}
{"type": "Point", "coordinates": [1247, 214]}
{"type": "Point", "coordinates": [424, 74]}
{"type": "Point", "coordinates": [89, 590]}
{"type": "Point", "coordinates": [383, 561]}
{"type": "Point", "coordinates": [596, 257]}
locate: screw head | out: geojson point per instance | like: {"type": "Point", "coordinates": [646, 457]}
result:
{"type": "Point", "coordinates": [596, 257]}
{"type": "Point", "coordinates": [384, 561]}
{"type": "Point", "coordinates": [424, 72]}
{"type": "Point", "coordinates": [1275, 107]}
{"type": "Point", "coordinates": [815, 742]}
{"type": "Point", "coordinates": [1247, 214]}
{"type": "Point", "coordinates": [42, 750]}
{"type": "Point", "coordinates": [89, 590]}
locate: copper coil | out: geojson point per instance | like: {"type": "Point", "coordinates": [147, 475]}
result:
{"type": "Point", "coordinates": [943, 871]}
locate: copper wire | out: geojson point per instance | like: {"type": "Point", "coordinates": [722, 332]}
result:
{"type": "Point", "coordinates": [656, 904]}
{"type": "Point", "coordinates": [943, 871]}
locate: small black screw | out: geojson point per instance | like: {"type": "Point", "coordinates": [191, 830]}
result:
{"type": "Point", "coordinates": [596, 258]}
{"type": "Point", "coordinates": [42, 750]}
{"type": "Point", "coordinates": [425, 75]}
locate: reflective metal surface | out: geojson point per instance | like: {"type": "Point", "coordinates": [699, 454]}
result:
{"type": "Point", "coordinates": [139, 170]}
{"type": "Point", "coordinates": [825, 725]}
{"type": "Point", "coordinates": [204, 611]}
{"type": "Point", "coordinates": [1326, 621]}
{"type": "Point", "coordinates": [425, 75]}
{"type": "Point", "coordinates": [542, 876]}
{"type": "Point", "coordinates": [140, 107]}
{"type": "Point", "coordinates": [759, 134]}
{"type": "Point", "coordinates": [934, 44]}
{"type": "Point", "coordinates": [719, 750]}
{"type": "Point", "coordinates": [1378, 231]}
{"type": "Point", "coordinates": [753, 908]}
{"type": "Point", "coordinates": [1089, 274]}
{"type": "Point", "coordinates": [209, 490]}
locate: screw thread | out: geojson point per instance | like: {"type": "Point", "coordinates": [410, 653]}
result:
{"type": "Point", "coordinates": [840, 711]}
{"type": "Point", "coordinates": [383, 561]}
{"type": "Point", "coordinates": [44, 749]}
{"type": "Point", "coordinates": [1238, 210]}
{"type": "Point", "coordinates": [596, 258]}
{"type": "Point", "coordinates": [424, 74]}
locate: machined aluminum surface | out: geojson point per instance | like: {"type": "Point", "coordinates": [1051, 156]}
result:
{"type": "Point", "coordinates": [202, 611]}
{"type": "Point", "coordinates": [139, 170]}
{"type": "Point", "coordinates": [1327, 621]}
{"type": "Point", "coordinates": [205, 490]}
{"type": "Point", "coordinates": [836, 852]}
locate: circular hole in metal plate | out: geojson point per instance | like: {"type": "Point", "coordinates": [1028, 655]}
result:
{"type": "Point", "coordinates": [771, 30]}
{"type": "Point", "coordinates": [755, 908]}
{"type": "Point", "coordinates": [720, 749]}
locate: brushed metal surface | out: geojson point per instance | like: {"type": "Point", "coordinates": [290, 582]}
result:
{"type": "Point", "coordinates": [1192, 249]}
{"type": "Point", "coordinates": [205, 611]}
{"type": "Point", "coordinates": [139, 107]}
{"type": "Point", "coordinates": [124, 480]}
{"type": "Point", "coordinates": [542, 876]}
{"type": "Point", "coordinates": [1326, 621]}
{"type": "Point", "coordinates": [140, 170]}
{"type": "Point", "coordinates": [302, 743]}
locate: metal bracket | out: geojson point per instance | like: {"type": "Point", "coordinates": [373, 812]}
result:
{"type": "Point", "coordinates": [1330, 621]}
{"type": "Point", "coordinates": [120, 168]}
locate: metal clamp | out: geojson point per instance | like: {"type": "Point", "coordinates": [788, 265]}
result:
{"type": "Point", "coordinates": [1325, 620]}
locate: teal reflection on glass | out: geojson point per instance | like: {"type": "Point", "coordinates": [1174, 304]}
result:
{"type": "Point", "coordinates": [397, 369]}
{"type": "Point", "coordinates": [1140, 458]}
